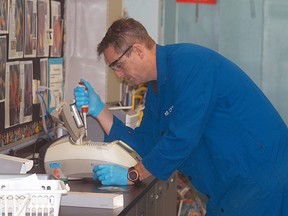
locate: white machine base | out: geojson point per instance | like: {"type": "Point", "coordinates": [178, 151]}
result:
{"type": "Point", "coordinates": [77, 161]}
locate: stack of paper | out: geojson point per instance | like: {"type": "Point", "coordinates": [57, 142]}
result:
{"type": "Point", "coordinates": [93, 200]}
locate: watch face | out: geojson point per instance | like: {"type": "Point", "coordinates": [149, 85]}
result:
{"type": "Point", "coordinates": [133, 175]}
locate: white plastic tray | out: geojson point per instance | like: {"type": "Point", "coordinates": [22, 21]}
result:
{"type": "Point", "coordinates": [26, 195]}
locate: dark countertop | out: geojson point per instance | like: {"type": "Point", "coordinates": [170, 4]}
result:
{"type": "Point", "coordinates": [131, 194]}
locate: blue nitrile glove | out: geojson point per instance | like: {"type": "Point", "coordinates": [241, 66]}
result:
{"type": "Point", "coordinates": [110, 174]}
{"type": "Point", "coordinates": [88, 97]}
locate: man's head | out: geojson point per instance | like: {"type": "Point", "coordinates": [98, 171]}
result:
{"type": "Point", "coordinates": [127, 47]}
{"type": "Point", "coordinates": [123, 33]}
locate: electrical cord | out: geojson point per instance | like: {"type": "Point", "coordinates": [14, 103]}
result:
{"type": "Point", "coordinates": [37, 148]}
{"type": "Point", "coordinates": [45, 114]}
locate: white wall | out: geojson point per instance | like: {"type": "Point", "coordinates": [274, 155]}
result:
{"type": "Point", "coordinates": [86, 22]}
{"type": "Point", "coordinates": [148, 12]}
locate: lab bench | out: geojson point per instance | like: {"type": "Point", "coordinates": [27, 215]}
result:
{"type": "Point", "coordinates": [146, 199]}
{"type": "Point", "coordinates": [150, 198]}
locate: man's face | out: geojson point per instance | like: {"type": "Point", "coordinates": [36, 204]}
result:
{"type": "Point", "coordinates": [127, 67]}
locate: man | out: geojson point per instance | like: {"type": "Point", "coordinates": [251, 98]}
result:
{"type": "Point", "coordinates": [203, 116]}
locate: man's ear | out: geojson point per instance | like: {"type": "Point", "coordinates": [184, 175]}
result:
{"type": "Point", "coordinates": [139, 50]}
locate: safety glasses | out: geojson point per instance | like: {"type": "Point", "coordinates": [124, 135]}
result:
{"type": "Point", "coordinates": [115, 64]}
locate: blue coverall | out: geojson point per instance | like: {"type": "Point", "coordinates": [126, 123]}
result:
{"type": "Point", "coordinates": [206, 118]}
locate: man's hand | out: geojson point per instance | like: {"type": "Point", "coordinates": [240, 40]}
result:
{"type": "Point", "coordinates": [111, 174]}
{"type": "Point", "coordinates": [88, 97]}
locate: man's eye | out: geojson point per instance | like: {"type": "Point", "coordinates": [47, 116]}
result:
{"type": "Point", "coordinates": [118, 65]}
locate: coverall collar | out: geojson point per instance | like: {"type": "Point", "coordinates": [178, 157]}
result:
{"type": "Point", "coordinates": [161, 62]}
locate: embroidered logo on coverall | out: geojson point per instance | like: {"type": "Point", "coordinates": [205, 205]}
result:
{"type": "Point", "coordinates": [167, 112]}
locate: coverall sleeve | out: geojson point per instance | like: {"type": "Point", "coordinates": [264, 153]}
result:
{"type": "Point", "coordinates": [140, 139]}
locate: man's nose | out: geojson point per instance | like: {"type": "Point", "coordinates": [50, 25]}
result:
{"type": "Point", "coordinates": [119, 74]}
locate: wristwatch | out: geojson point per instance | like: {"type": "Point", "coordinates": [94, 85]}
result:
{"type": "Point", "coordinates": [133, 175]}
